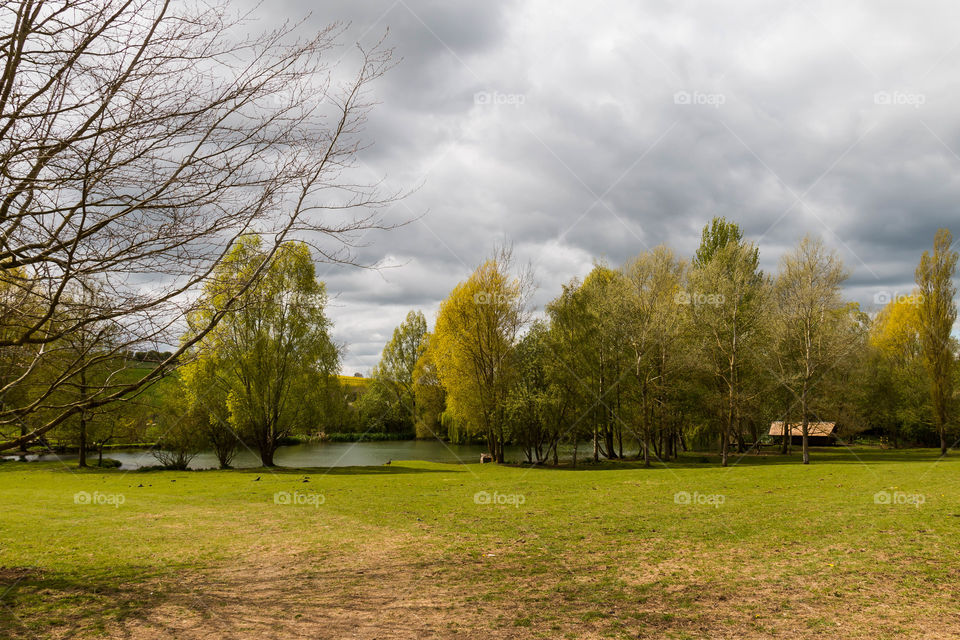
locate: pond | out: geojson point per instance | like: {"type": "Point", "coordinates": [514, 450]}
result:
{"type": "Point", "coordinates": [331, 454]}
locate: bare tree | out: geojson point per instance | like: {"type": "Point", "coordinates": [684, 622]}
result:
{"type": "Point", "coordinates": [138, 140]}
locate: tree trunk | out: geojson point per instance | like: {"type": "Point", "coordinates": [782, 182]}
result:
{"type": "Point", "coordinates": [82, 457]}
{"type": "Point", "coordinates": [608, 439]}
{"type": "Point", "coordinates": [784, 434]}
{"type": "Point", "coordinates": [267, 449]}
{"type": "Point", "coordinates": [805, 427]}
{"type": "Point", "coordinates": [942, 427]}
{"type": "Point", "coordinates": [727, 428]}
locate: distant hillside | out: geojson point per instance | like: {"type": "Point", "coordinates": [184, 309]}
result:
{"type": "Point", "coordinates": [355, 385]}
{"type": "Point", "coordinates": [155, 394]}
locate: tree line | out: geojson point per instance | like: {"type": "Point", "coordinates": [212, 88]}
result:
{"type": "Point", "coordinates": [663, 354]}
{"type": "Point", "coordinates": [652, 358]}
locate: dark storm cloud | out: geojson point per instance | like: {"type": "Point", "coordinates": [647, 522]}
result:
{"type": "Point", "coordinates": [583, 132]}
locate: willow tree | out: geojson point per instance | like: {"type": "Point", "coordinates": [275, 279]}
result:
{"type": "Point", "coordinates": [139, 139]}
{"type": "Point", "coordinates": [478, 326]}
{"type": "Point", "coordinates": [399, 359]}
{"type": "Point", "coordinates": [428, 394]}
{"type": "Point", "coordinates": [811, 312]}
{"type": "Point", "coordinates": [270, 356]}
{"type": "Point", "coordinates": [937, 311]}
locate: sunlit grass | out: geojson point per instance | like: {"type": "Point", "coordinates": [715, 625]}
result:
{"type": "Point", "coordinates": [765, 546]}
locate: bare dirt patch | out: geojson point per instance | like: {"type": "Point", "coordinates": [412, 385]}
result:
{"type": "Point", "coordinates": [377, 592]}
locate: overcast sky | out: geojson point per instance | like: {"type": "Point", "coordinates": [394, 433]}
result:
{"type": "Point", "coordinates": [593, 131]}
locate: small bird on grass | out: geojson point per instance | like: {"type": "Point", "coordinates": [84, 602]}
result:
{"type": "Point", "coordinates": [257, 479]}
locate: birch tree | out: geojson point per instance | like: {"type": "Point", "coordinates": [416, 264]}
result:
{"type": "Point", "coordinates": [810, 310]}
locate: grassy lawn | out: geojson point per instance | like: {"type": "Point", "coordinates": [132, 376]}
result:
{"type": "Point", "coordinates": [768, 548]}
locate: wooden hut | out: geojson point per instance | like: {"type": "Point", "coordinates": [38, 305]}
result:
{"type": "Point", "coordinates": [819, 434]}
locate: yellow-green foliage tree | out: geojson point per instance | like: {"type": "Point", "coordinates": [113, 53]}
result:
{"type": "Point", "coordinates": [397, 364]}
{"type": "Point", "coordinates": [896, 329]}
{"type": "Point", "coordinates": [477, 328]}
{"type": "Point", "coordinates": [429, 396]}
{"type": "Point", "coordinates": [896, 385]}
{"type": "Point", "coordinates": [271, 356]}
{"type": "Point", "coordinates": [655, 320]}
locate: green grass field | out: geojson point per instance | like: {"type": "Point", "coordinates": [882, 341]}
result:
{"type": "Point", "coordinates": [858, 544]}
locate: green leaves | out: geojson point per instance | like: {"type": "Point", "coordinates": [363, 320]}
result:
{"type": "Point", "coordinates": [262, 368]}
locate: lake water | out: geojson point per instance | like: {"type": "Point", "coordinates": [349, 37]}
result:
{"type": "Point", "coordinates": [330, 454]}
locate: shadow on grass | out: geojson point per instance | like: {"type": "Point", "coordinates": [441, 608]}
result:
{"type": "Point", "coordinates": [687, 460]}
{"type": "Point", "coordinates": [382, 470]}
{"type": "Point", "coordinates": [240, 599]}
{"type": "Point", "coordinates": [702, 460]}
{"type": "Point", "coordinates": [397, 468]}
{"type": "Point", "coordinates": [33, 603]}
